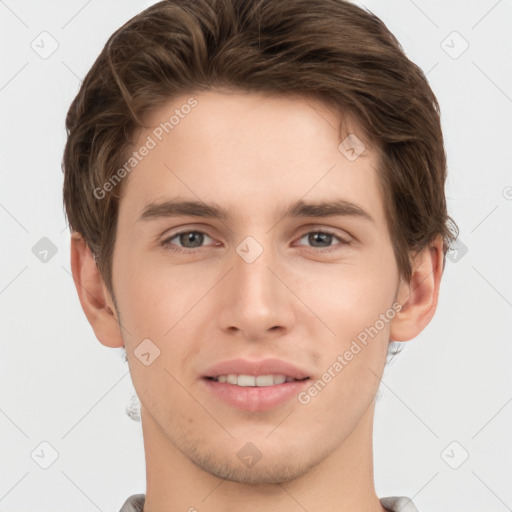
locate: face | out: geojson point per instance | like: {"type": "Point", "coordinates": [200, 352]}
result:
{"type": "Point", "coordinates": [264, 280]}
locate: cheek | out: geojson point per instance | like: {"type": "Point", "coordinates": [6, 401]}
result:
{"type": "Point", "coordinates": [148, 297]}
{"type": "Point", "coordinates": [353, 357]}
{"type": "Point", "coordinates": [355, 302]}
{"type": "Point", "coordinates": [349, 296]}
{"type": "Point", "coordinates": [163, 304]}
{"type": "Point", "coordinates": [155, 303]}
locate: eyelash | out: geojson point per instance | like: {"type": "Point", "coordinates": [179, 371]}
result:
{"type": "Point", "coordinates": [167, 245]}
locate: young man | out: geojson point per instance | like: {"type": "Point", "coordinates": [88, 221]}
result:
{"type": "Point", "coordinates": [256, 195]}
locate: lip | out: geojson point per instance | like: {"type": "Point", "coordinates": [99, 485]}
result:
{"type": "Point", "coordinates": [262, 367]}
{"type": "Point", "coordinates": [253, 398]}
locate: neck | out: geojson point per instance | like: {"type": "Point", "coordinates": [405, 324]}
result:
{"type": "Point", "coordinates": [342, 481]}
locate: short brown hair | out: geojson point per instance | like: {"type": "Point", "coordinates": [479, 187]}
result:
{"type": "Point", "coordinates": [331, 50]}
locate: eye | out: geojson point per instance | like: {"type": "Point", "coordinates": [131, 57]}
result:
{"type": "Point", "coordinates": [190, 240]}
{"type": "Point", "coordinates": [324, 238]}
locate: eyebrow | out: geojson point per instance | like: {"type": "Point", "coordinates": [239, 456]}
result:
{"type": "Point", "coordinates": [332, 208]}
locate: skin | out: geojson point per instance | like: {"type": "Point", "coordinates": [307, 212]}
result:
{"type": "Point", "coordinates": [255, 154]}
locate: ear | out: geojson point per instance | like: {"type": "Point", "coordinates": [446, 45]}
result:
{"type": "Point", "coordinates": [96, 302]}
{"type": "Point", "coordinates": [419, 297]}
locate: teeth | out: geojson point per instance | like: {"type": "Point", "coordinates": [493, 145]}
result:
{"type": "Point", "coordinates": [251, 380]}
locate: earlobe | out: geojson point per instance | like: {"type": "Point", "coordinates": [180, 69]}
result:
{"type": "Point", "coordinates": [95, 300]}
{"type": "Point", "coordinates": [419, 297]}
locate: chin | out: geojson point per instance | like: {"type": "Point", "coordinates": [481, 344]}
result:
{"type": "Point", "coordinates": [262, 473]}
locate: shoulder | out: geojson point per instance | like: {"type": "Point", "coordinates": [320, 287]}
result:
{"type": "Point", "coordinates": [135, 503]}
{"type": "Point", "coordinates": [398, 504]}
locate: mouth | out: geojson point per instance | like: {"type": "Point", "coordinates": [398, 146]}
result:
{"type": "Point", "coordinates": [255, 385]}
{"type": "Point", "coordinates": [254, 393]}
{"type": "Point", "coordinates": [254, 380]}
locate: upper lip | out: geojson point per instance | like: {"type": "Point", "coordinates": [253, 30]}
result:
{"type": "Point", "coordinates": [260, 367]}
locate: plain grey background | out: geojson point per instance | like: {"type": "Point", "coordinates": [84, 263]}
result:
{"type": "Point", "coordinates": [444, 414]}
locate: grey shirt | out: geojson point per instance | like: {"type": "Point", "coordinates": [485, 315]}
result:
{"type": "Point", "coordinates": [135, 503]}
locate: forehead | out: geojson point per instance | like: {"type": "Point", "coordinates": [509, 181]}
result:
{"type": "Point", "coordinates": [248, 151]}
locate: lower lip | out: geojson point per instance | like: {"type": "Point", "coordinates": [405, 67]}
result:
{"type": "Point", "coordinates": [253, 398]}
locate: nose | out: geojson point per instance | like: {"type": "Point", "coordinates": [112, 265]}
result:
{"type": "Point", "coordinates": [256, 298]}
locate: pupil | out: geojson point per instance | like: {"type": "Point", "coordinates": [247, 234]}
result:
{"type": "Point", "coordinates": [313, 236]}
{"type": "Point", "coordinates": [189, 237]}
